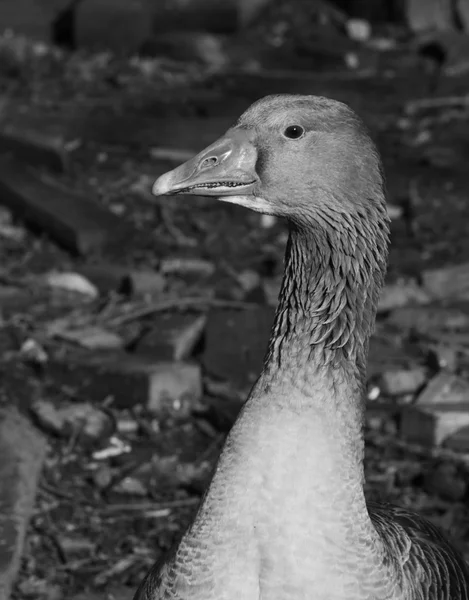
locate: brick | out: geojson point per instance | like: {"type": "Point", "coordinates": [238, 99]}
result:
{"type": "Point", "coordinates": [143, 283]}
{"type": "Point", "coordinates": [397, 382]}
{"type": "Point", "coordinates": [440, 412]}
{"type": "Point", "coordinates": [130, 380]}
{"type": "Point", "coordinates": [22, 451]}
{"type": "Point", "coordinates": [172, 336]}
{"type": "Point", "coordinates": [236, 342]}
{"type": "Point", "coordinates": [73, 220]}
{"type": "Point", "coordinates": [448, 282]}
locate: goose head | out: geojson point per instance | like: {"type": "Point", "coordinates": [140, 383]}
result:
{"type": "Point", "coordinates": [299, 157]}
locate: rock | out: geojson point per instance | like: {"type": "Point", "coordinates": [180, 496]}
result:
{"type": "Point", "coordinates": [72, 282]}
{"type": "Point", "coordinates": [102, 477]}
{"type": "Point", "coordinates": [130, 486]}
{"type": "Point", "coordinates": [172, 336]}
{"type": "Point", "coordinates": [236, 342]}
{"type": "Point", "coordinates": [128, 380]}
{"type": "Point", "coordinates": [358, 30]}
{"type": "Point", "coordinates": [440, 411]}
{"type": "Point", "coordinates": [22, 452]}
{"type": "Point", "coordinates": [31, 351]}
{"type": "Point", "coordinates": [403, 381]}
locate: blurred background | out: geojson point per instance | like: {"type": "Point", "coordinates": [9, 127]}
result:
{"type": "Point", "coordinates": [131, 328]}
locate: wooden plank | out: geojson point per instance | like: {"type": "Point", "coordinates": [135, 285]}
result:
{"type": "Point", "coordinates": [34, 145]}
{"type": "Point", "coordinates": [79, 224]}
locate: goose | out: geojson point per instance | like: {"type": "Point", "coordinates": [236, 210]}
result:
{"type": "Point", "coordinates": [285, 515]}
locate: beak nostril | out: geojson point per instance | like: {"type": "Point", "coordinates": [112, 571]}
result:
{"type": "Point", "coordinates": [210, 161]}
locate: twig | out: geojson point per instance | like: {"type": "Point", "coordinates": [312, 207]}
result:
{"type": "Point", "coordinates": [424, 452]}
{"type": "Point", "coordinates": [179, 236]}
{"type": "Point", "coordinates": [153, 506]}
{"type": "Point", "coordinates": [179, 303]}
{"type": "Point", "coordinates": [415, 106]}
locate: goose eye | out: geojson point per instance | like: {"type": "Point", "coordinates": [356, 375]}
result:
{"type": "Point", "coordinates": [294, 132]}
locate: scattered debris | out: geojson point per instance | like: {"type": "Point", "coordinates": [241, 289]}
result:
{"type": "Point", "coordinates": [81, 421]}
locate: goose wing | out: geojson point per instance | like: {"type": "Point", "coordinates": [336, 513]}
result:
{"type": "Point", "coordinates": [432, 569]}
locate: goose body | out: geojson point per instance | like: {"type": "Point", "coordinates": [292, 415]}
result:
{"type": "Point", "coordinates": [285, 516]}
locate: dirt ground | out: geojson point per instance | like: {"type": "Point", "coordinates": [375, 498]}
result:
{"type": "Point", "coordinates": [101, 519]}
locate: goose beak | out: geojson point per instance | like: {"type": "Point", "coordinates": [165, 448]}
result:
{"type": "Point", "coordinates": [226, 168]}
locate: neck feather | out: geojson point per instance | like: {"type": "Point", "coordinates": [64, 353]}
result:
{"type": "Point", "coordinates": [334, 271]}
